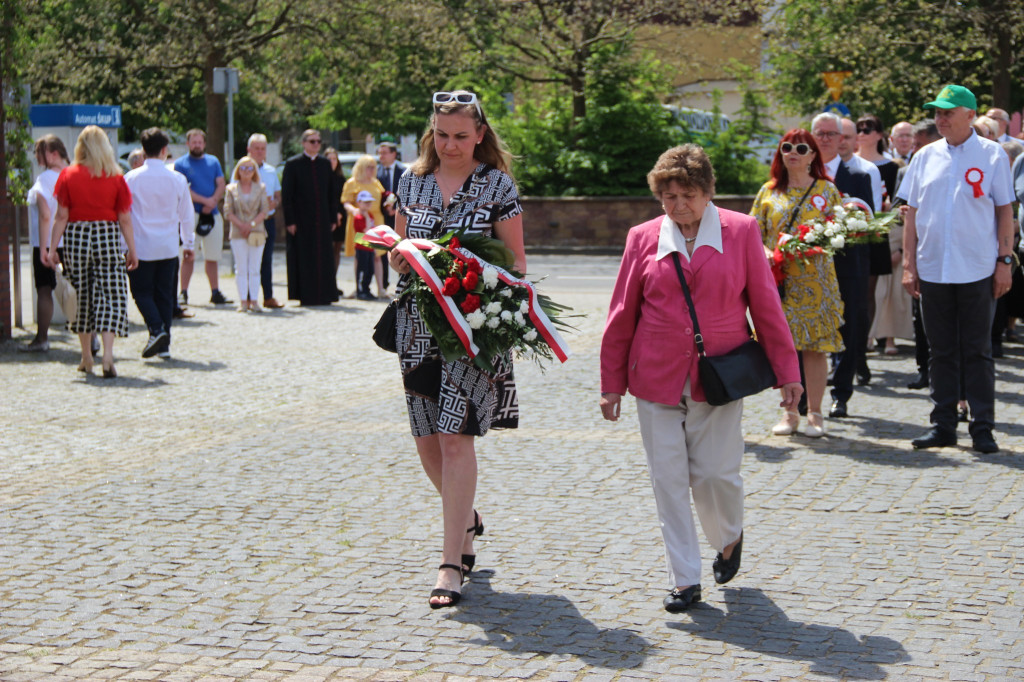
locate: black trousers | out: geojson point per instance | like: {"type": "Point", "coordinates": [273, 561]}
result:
{"type": "Point", "coordinates": [267, 264]}
{"type": "Point", "coordinates": [921, 351]}
{"type": "Point", "coordinates": [152, 285]}
{"type": "Point", "coordinates": [958, 323]}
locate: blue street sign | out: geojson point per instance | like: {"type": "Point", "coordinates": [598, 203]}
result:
{"type": "Point", "coordinates": [75, 115]}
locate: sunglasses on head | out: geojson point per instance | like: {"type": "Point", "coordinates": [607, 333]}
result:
{"type": "Point", "coordinates": [444, 97]}
{"type": "Point", "coordinates": [802, 148]}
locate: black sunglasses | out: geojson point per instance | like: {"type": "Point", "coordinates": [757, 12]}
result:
{"type": "Point", "coordinates": [802, 148]}
{"type": "Point", "coordinates": [866, 129]}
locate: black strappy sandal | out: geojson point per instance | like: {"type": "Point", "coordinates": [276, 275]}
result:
{"type": "Point", "coordinates": [452, 595]}
{"type": "Point", "coordinates": [469, 560]}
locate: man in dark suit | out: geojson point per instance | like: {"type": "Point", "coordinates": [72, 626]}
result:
{"type": "Point", "coordinates": [389, 171]}
{"type": "Point", "coordinates": [306, 190]}
{"type": "Point", "coordinates": [852, 265]}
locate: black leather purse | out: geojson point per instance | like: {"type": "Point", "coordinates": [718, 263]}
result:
{"type": "Point", "coordinates": [741, 372]}
{"type": "Point", "coordinates": [385, 332]}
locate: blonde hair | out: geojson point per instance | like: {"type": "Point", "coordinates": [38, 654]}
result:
{"type": "Point", "coordinates": [241, 162]}
{"type": "Point", "coordinates": [94, 151]}
{"type": "Point", "coordinates": [491, 150]}
{"type": "Point", "coordinates": [364, 161]}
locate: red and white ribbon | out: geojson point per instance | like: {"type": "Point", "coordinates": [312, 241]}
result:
{"type": "Point", "coordinates": [974, 176]}
{"type": "Point", "coordinates": [412, 249]}
{"type": "Point", "coordinates": [540, 320]}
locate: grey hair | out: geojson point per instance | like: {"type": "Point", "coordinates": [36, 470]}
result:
{"type": "Point", "coordinates": [256, 137]}
{"type": "Point", "coordinates": [826, 115]}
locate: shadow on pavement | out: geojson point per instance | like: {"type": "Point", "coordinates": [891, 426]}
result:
{"type": "Point", "coordinates": [545, 624]}
{"type": "Point", "coordinates": [753, 621]}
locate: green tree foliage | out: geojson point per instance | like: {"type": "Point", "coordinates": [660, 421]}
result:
{"type": "Point", "coordinates": [607, 152]}
{"type": "Point", "coordinates": [156, 59]}
{"type": "Point", "coordinates": [15, 167]}
{"type": "Point", "coordinates": [899, 54]}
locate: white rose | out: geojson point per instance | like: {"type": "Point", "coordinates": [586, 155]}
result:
{"type": "Point", "coordinates": [524, 307]}
{"type": "Point", "coordinates": [838, 241]}
{"type": "Point", "coordinates": [506, 316]}
{"type": "Point", "coordinates": [520, 320]}
{"type": "Point", "coordinates": [476, 319]}
{"type": "Point", "coordinates": [490, 277]}
{"type": "Point", "coordinates": [830, 232]}
{"type": "Point", "coordinates": [530, 335]}
{"type": "Point", "coordinates": [493, 322]}
{"type": "Point", "coordinates": [506, 292]}
{"type": "Point", "coordinates": [493, 308]}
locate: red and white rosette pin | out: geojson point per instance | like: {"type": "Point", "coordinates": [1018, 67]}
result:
{"type": "Point", "coordinates": [974, 176]}
{"type": "Point", "coordinates": [819, 202]}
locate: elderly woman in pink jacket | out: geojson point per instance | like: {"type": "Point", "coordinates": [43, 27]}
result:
{"type": "Point", "coordinates": [649, 349]}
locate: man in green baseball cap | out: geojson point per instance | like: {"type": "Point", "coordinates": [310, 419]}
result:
{"type": "Point", "coordinates": [957, 240]}
{"type": "Point", "coordinates": [953, 96]}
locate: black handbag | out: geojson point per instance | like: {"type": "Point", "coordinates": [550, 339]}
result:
{"type": "Point", "coordinates": [386, 330]}
{"type": "Point", "coordinates": [741, 372]}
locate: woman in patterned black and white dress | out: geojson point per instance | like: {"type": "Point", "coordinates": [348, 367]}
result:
{"type": "Point", "coordinates": [461, 180]}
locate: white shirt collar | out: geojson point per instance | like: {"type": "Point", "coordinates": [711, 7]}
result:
{"type": "Point", "coordinates": [832, 167]}
{"type": "Point", "coordinates": [670, 238]}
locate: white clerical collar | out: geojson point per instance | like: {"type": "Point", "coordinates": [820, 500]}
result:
{"type": "Point", "coordinates": [670, 238]}
{"type": "Point", "coordinates": [311, 157]}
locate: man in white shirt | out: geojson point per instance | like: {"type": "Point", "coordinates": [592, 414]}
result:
{"type": "Point", "coordinates": [257, 150]}
{"type": "Point", "coordinates": [161, 215]}
{"type": "Point", "coordinates": [851, 263]}
{"type": "Point", "coordinates": [901, 141]}
{"type": "Point", "coordinates": [1003, 120]}
{"type": "Point", "coordinates": [957, 239]}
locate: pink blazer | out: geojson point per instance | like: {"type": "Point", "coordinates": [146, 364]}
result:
{"type": "Point", "coordinates": [648, 345]}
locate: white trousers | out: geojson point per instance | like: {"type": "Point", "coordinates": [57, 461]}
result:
{"type": "Point", "coordinates": [247, 269]}
{"type": "Point", "coordinates": [694, 447]}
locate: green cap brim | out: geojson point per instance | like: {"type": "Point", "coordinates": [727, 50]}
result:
{"type": "Point", "coordinates": [940, 105]}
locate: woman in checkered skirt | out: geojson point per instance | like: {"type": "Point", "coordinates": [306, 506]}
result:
{"type": "Point", "coordinates": [93, 213]}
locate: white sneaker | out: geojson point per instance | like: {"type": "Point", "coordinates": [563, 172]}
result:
{"type": "Point", "coordinates": [165, 354]}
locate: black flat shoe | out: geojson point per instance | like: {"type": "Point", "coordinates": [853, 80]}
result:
{"type": "Point", "coordinates": [726, 569]}
{"type": "Point", "coordinates": [678, 600]}
{"type": "Point", "coordinates": [985, 443]}
{"type": "Point", "coordinates": [452, 596]}
{"type": "Point", "coordinates": [934, 439]}
{"type": "Point", "coordinates": [477, 529]}
{"type": "Point", "coordinates": [838, 410]}
{"type": "Point", "coordinates": [920, 382]}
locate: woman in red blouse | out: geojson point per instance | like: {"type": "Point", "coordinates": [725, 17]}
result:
{"type": "Point", "coordinates": [93, 213]}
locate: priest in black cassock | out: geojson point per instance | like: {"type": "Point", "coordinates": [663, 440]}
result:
{"type": "Point", "coordinates": [307, 186]}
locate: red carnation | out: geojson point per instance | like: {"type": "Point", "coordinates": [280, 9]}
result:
{"type": "Point", "coordinates": [470, 280]}
{"type": "Point", "coordinates": [777, 256]}
{"type": "Point", "coordinates": [471, 303]}
{"type": "Point", "coordinates": [804, 229]}
{"type": "Point", "coordinates": [454, 243]}
{"type": "Point", "coordinates": [475, 267]}
{"type": "Point", "coordinates": [451, 286]}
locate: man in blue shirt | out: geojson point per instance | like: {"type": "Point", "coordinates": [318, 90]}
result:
{"type": "Point", "coordinates": [206, 185]}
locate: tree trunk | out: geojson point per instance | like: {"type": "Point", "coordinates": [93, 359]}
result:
{"type": "Point", "coordinates": [1001, 82]}
{"type": "Point", "coordinates": [6, 208]}
{"type": "Point", "coordinates": [215, 106]}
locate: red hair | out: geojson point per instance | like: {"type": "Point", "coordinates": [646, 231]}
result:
{"type": "Point", "coordinates": [779, 181]}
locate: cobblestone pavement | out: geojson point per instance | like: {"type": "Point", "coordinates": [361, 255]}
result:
{"type": "Point", "coordinates": [253, 509]}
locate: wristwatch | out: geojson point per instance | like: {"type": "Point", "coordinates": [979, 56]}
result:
{"type": "Point", "coordinates": [1005, 260]}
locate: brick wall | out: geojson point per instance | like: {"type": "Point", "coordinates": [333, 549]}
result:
{"type": "Point", "coordinates": [577, 222]}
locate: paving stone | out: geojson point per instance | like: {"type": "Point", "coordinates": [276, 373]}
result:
{"type": "Point", "coordinates": [254, 509]}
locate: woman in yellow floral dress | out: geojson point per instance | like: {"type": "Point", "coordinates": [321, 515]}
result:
{"type": "Point", "coordinates": [799, 191]}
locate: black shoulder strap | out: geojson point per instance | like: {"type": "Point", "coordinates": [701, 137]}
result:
{"type": "Point", "coordinates": [689, 302]}
{"type": "Point", "coordinates": [796, 209]}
